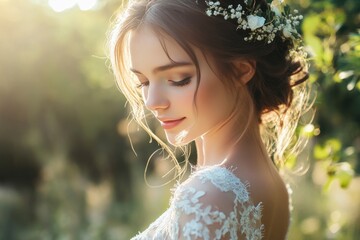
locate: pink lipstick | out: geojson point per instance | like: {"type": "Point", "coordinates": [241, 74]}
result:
{"type": "Point", "coordinates": [168, 124]}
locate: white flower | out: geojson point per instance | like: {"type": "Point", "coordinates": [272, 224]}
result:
{"type": "Point", "coordinates": [287, 31]}
{"type": "Point", "coordinates": [255, 22]}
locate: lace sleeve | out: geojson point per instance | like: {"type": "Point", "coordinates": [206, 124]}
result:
{"type": "Point", "coordinates": [215, 205]}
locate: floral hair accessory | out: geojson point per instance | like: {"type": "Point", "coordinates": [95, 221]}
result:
{"type": "Point", "coordinates": [263, 24]}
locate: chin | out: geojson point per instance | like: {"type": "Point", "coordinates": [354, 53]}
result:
{"type": "Point", "coordinates": [179, 139]}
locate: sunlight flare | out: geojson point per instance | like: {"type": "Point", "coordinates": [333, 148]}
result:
{"type": "Point", "coordinates": [62, 5]}
{"type": "Point", "coordinates": [85, 5]}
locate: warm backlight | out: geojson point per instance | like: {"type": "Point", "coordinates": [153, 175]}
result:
{"type": "Point", "coordinates": [62, 5]}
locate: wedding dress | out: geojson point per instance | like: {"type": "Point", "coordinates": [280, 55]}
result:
{"type": "Point", "coordinates": [211, 204]}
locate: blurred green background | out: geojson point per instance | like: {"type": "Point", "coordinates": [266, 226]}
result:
{"type": "Point", "coordinates": [67, 170]}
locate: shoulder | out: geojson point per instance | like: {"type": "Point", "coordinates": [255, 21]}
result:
{"type": "Point", "coordinates": [269, 189]}
{"type": "Point", "coordinates": [214, 181]}
{"type": "Point", "coordinates": [214, 186]}
{"type": "Point", "coordinates": [213, 202]}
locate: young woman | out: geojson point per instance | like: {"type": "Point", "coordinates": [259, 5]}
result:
{"type": "Point", "coordinates": [229, 75]}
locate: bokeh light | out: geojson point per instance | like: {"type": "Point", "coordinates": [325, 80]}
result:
{"type": "Point", "coordinates": [62, 5]}
{"type": "Point", "coordinates": [85, 5]}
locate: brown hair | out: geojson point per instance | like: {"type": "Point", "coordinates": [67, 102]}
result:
{"type": "Point", "coordinates": [278, 97]}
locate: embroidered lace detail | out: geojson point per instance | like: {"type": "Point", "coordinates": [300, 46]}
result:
{"type": "Point", "coordinates": [212, 204]}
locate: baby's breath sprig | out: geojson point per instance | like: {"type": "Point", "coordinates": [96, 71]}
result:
{"type": "Point", "coordinates": [263, 25]}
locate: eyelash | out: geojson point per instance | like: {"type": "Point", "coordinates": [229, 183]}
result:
{"type": "Point", "coordinates": [180, 83]}
{"type": "Point", "coordinates": [141, 85]}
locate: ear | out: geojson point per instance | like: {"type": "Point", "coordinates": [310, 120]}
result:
{"type": "Point", "coordinates": [245, 70]}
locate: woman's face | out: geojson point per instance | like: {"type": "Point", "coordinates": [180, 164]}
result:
{"type": "Point", "coordinates": [168, 88]}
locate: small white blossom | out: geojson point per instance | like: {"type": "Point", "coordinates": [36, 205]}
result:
{"type": "Point", "coordinates": [287, 31]}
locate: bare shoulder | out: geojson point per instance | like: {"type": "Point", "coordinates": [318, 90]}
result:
{"type": "Point", "coordinates": [269, 189]}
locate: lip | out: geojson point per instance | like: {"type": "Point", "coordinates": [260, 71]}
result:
{"type": "Point", "coordinates": [170, 123]}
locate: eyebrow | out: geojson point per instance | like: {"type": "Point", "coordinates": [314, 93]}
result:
{"type": "Point", "coordinates": [166, 67]}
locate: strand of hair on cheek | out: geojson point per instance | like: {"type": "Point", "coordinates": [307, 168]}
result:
{"type": "Point", "coordinates": [179, 172]}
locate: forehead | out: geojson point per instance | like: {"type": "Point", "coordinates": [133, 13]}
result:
{"type": "Point", "coordinates": [149, 50]}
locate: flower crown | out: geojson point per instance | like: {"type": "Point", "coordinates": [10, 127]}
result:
{"type": "Point", "coordinates": [263, 25]}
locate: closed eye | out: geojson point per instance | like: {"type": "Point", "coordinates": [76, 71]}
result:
{"type": "Point", "coordinates": [181, 83]}
{"type": "Point", "coordinates": [142, 84]}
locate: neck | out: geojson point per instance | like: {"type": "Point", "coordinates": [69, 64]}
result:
{"type": "Point", "coordinates": [229, 142]}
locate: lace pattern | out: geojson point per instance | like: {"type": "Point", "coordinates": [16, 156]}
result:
{"type": "Point", "coordinates": [212, 204]}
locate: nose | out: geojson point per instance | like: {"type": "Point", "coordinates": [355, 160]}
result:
{"type": "Point", "coordinates": [156, 98]}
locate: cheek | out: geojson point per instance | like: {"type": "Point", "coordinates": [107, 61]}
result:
{"type": "Point", "coordinates": [207, 99]}
{"type": "Point", "coordinates": [203, 98]}
{"type": "Point", "coordinates": [182, 97]}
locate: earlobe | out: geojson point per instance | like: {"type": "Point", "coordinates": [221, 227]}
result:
{"type": "Point", "coordinates": [245, 70]}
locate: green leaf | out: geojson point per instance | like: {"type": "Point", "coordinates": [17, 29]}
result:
{"type": "Point", "coordinates": [320, 152]}
{"type": "Point", "coordinates": [310, 24]}
{"type": "Point", "coordinates": [330, 150]}
{"type": "Point", "coordinates": [342, 172]}
{"type": "Point", "coordinates": [286, 9]}
{"type": "Point", "coordinates": [334, 144]}
{"type": "Point", "coordinates": [315, 44]}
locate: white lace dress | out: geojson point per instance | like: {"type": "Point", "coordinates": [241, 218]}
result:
{"type": "Point", "coordinates": [211, 204]}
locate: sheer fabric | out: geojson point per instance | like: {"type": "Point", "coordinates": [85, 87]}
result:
{"type": "Point", "coordinates": [211, 204]}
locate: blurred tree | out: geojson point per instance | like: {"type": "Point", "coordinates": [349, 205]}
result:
{"type": "Point", "coordinates": [59, 115]}
{"type": "Point", "coordinates": [331, 32]}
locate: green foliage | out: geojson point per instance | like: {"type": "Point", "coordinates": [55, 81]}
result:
{"type": "Point", "coordinates": [332, 37]}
